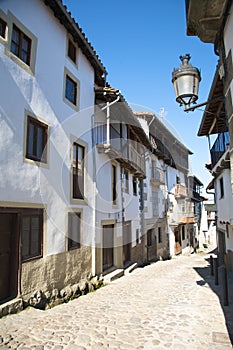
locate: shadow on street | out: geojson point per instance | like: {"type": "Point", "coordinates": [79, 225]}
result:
{"type": "Point", "coordinates": [208, 279]}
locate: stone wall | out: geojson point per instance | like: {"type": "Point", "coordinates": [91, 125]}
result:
{"type": "Point", "coordinates": [53, 273]}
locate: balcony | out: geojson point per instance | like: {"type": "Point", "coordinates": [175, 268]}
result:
{"type": "Point", "coordinates": [220, 146]}
{"type": "Point", "coordinates": [157, 176]}
{"type": "Point", "coordinates": [180, 191]}
{"type": "Point", "coordinates": [121, 149]}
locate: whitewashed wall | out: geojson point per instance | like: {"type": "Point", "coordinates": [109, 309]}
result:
{"type": "Point", "coordinates": [22, 182]}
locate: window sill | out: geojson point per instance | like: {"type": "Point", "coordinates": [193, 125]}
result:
{"type": "Point", "coordinates": [32, 259]}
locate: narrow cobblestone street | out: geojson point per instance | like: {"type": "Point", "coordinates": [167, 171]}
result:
{"type": "Point", "coordinates": [166, 305]}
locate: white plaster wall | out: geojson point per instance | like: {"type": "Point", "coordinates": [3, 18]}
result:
{"type": "Point", "coordinates": [225, 204]}
{"type": "Point", "coordinates": [42, 95]}
{"type": "Point", "coordinates": [144, 125]}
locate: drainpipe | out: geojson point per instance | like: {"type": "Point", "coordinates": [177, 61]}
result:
{"type": "Point", "coordinates": [108, 105]}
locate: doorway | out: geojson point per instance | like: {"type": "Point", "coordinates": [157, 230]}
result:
{"type": "Point", "coordinates": [9, 256]}
{"type": "Point", "coordinates": [108, 246]}
{"type": "Point", "coordinates": [127, 243]}
{"type": "Point", "coordinates": [178, 244]}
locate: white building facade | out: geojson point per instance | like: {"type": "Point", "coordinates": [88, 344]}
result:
{"type": "Point", "coordinates": [216, 28]}
{"type": "Point", "coordinates": [46, 187]}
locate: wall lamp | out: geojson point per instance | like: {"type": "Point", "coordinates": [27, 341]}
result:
{"type": "Point", "coordinates": [186, 80]}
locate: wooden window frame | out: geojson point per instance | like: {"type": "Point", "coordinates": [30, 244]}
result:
{"type": "Point", "coordinates": [37, 124]}
{"type": "Point", "coordinates": [72, 51]}
{"type": "Point", "coordinates": [74, 243]}
{"type": "Point", "coordinates": [73, 98]}
{"type": "Point", "coordinates": [19, 45]}
{"type": "Point", "coordinates": [77, 192]}
{"type": "Point", "coordinates": [32, 214]}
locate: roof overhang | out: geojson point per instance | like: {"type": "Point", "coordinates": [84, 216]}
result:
{"type": "Point", "coordinates": [214, 117]}
{"type": "Point", "coordinates": [204, 18]}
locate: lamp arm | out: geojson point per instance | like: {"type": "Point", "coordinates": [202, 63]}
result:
{"type": "Point", "coordinates": [191, 109]}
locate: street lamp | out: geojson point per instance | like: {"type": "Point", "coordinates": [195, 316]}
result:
{"type": "Point", "coordinates": [186, 80]}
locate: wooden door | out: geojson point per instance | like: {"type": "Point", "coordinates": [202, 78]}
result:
{"type": "Point", "coordinates": [151, 245]}
{"type": "Point", "coordinates": [127, 243]}
{"type": "Point", "coordinates": [178, 245]}
{"type": "Point", "coordinates": [8, 256]}
{"type": "Point", "coordinates": [108, 246]}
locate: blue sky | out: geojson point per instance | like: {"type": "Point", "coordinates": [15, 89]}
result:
{"type": "Point", "coordinates": [139, 42]}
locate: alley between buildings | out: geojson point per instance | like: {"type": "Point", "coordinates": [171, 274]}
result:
{"type": "Point", "coordinates": [171, 304]}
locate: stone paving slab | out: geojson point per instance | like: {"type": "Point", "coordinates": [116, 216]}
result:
{"type": "Point", "coordinates": [166, 305]}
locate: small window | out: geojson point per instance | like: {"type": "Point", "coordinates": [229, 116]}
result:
{"type": "Point", "coordinates": [159, 235]}
{"type": "Point", "coordinates": [71, 90]}
{"type": "Point", "coordinates": [32, 233]}
{"type": "Point", "coordinates": [178, 180]}
{"type": "Point", "coordinates": [74, 235]}
{"type": "Point", "coordinates": [37, 135]}
{"type": "Point", "coordinates": [221, 187]}
{"type": "Point", "coordinates": [21, 45]}
{"type": "Point", "coordinates": [78, 171]}
{"type": "Point", "coordinates": [114, 184]}
{"type": "Point", "coordinates": [125, 179]}
{"type": "Point", "coordinates": [2, 28]}
{"type": "Point", "coordinates": [137, 236]}
{"type": "Point", "coordinates": [134, 186]}
{"type": "Point", "coordinates": [72, 51]}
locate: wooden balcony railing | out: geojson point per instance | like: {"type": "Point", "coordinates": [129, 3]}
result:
{"type": "Point", "coordinates": [120, 149]}
{"type": "Point", "coordinates": [180, 191]}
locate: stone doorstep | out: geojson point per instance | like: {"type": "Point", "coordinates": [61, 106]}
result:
{"type": "Point", "coordinates": [11, 307]}
{"type": "Point", "coordinates": [130, 269]}
{"type": "Point", "coordinates": [119, 273]}
{"type": "Point", "coordinates": [113, 276]}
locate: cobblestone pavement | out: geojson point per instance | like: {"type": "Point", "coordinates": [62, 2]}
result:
{"type": "Point", "coordinates": [166, 305]}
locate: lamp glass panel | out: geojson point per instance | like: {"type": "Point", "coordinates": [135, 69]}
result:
{"type": "Point", "coordinates": [185, 85]}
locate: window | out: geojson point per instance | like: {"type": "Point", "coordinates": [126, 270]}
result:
{"type": "Point", "coordinates": [21, 45]}
{"type": "Point", "coordinates": [71, 90]}
{"type": "Point", "coordinates": [178, 180]}
{"type": "Point", "coordinates": [125, 180]}
{"type": "Point", "coordinates": [72, 51]}
{"type": "Point", "coordinates": [159, 235]}
{"type": "Point", "coordinates": [32, 233]}
{"type": "Point", "coordinates": [114, 190]}
{"type": "Point", "coordinates": [74, 235]}
{"type": "Point", "coordinates": [78, 171]}
{"type": "Point", "coordinates": [134, 186]}
{"type": "Point", "coordinates": [2, 28]}
{"type": "Point", "coordinates": [183, 233]}
{"type": "Point", "coordinates": [221, 187]}
{"type": "Point", "coordinates": [37, 135]}
{"type": "Point", "coordinates": [137, 236]}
